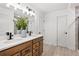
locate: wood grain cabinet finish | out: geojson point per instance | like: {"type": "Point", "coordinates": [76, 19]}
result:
{"type": "Point", "coordinates": [41, 47]}
{"type": "Point", "coordinates": [17, 54]}
{"type": "Point", "coordinates": [31, 48]}
{"type": "Point", "coordinates": [27, 51]}
{"type": "Point", "coordinates": [37, 46]}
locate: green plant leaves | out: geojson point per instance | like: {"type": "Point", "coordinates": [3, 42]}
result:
{"type": "Point", "coordinates": [22, 23]}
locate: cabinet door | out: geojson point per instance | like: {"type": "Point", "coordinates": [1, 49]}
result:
{"type": "Point", "coordinates": [36, 50]}
{"type": "Point", "coordinates": [41, 47]}
{"type": "Point", "coordinates": [36, 45]}
{"type": "Point", "coordinates": [27, 51]}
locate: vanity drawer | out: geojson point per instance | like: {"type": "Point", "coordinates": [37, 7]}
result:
{"type": "Point", "coordinates": [37, 39]}
{"type": "Point", "coordinates": [9, 52]}
{"type": "Point", "coordinates": [27, 51]}
{"type": "Point", "coordinates": [29, 54]}
{"type": "Point", "coordinates": [36, 45]}
{"type": "Point", "coordinates": [36, 50]}
{"type": "Point", "coordinates": [25, 45]}
{"type": "Point", "coordinates": [15, 49]}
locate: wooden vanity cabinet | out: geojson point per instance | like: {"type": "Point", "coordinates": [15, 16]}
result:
{"type": "Point", "coordinates": [41, 47]}
{"type": "Point", "coordinates": [31, 48]}
{"type": "Point", "coordinates": [37, 46]}
{"type": "Point", "coordinates": [16, 50]}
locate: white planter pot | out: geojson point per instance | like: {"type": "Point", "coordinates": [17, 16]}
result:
{"type": "Point", "coordinates": [18, 31]}
{"type": "Point", "coordinates": [23, 33]}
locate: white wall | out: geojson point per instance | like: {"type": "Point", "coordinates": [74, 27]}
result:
{"type": "Point", "coordinates": [71, 28]}
{"type": "Point", "coordinates": [6, 20]}
{"type": "Point", "coordinates": [51, 27]}
{"type": "Point", "coordinates": [41, 23]}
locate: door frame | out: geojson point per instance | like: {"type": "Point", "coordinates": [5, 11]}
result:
{"type": "Point", "coordinates": [57, 27]}
{"type": "Point", "coordinates": [76, 33]}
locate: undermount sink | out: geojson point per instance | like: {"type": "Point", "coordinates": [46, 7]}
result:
{"type": "Point", "coordinates": [15, 39]}
{"type": "Point", "coordinates": [6, 42]}
{"type": "Point", "coordinates": [9, 41]}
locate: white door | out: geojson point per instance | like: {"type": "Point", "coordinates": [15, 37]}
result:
{"type": "Point", "coordinates": [62, 34]}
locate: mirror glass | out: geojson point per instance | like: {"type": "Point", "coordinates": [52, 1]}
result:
{"type": "Point", "coordinates": [19, 13]}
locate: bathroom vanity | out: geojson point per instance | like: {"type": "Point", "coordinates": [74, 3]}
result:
{"type": "Point", "coordinates": [29, 46]}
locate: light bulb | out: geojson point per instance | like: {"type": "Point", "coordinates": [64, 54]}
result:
{"type": "Point", "coordinates": [8, 5]}
{"type": "Point", "coordinates": [15, 8]}
{"type": "Point", "coordinates": [30, 14]}
{"type": "Point", "coordinates": [18, 16]}
{"type": "Point", "coordinates": [24, 11]}
{"type": "Point", "coordinates": [27, 13]}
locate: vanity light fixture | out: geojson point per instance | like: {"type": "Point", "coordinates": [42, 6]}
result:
{"type": "Point", "coordinates": [24, 11]}
{"type": "Point", "coordinates": [15, 8]}
{"type": "Point", "coordinates": [30, 14]}
{"type": "Point", "coordinates": [8, 5]}
{"type": "Point", "coordinates": [27, 10]}
{"type": "Point", "coordinates": [18, 16]}
{"type": "Point", "coordinates": [27, 13]}
{"type": "Point", "coordinates": [14, 5]}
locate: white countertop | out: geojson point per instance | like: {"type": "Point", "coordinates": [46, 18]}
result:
{"type": "Point", "coordinates": [5, 44]}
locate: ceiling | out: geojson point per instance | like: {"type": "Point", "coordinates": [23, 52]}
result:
{"type": "Point", "coordinates": [48, 7]}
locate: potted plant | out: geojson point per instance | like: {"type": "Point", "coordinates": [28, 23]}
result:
{"type": "Point", "coordinates": [18, 25]}
{"type": "Point", "coordinates": [24, 24]}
